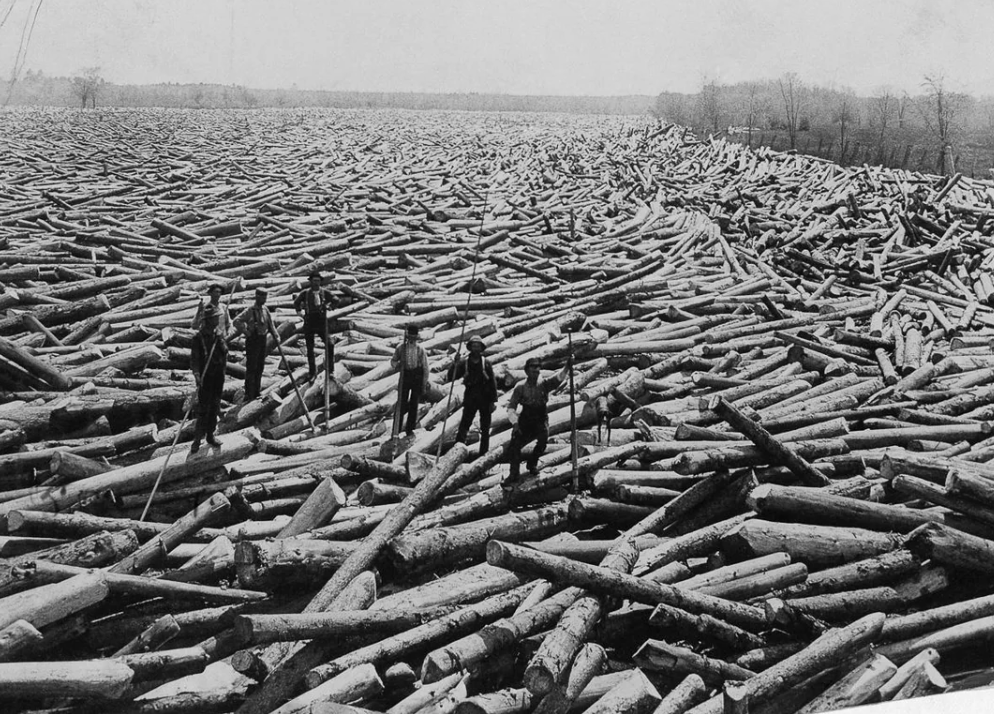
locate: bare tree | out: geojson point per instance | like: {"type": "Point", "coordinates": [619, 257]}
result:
{"type": "Point", "coordinates": [756, 104]}
{"type": "Point", "coordinates": [710, 104]}
{"type": "Point", "coordinates": [844, 114]}
{"type": "Point", "coordinates": [882, 106]}
{"type": "Point", "coordinates": [86, 86]}
{"type": "Point", "coordinates": [794, 94]}
{"type": "Point", "coordinates": [940, 109]}
{"type": "Point", "coordinates": [902, 109]}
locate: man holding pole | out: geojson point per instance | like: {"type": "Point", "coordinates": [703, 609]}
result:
{"type": "Point", "coordinates": [256, 323]}
{"type": "Point", "coordinates": [312, 305]}
{"type": "Point", "coordinates": [412, 360]}
{"type": "Point", "coordinates": [208, 360]}
{"type": "Point", "coordinates": [480, 391]}
{"type": "Point", "coordinates": [533, 422]}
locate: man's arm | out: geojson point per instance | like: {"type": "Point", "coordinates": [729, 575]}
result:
{"type": "Point", "coordinates": [198, 318]}
{"type": "Point", "coordinates": [298, 302]}
{"type": "Point", "coordinates": [240, 322]}
{"type": "Point", "coordinates": [512, 406]}
{"type": "Point", "coordinates": [197, 359]}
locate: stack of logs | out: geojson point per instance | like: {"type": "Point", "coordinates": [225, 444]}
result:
{"type": "Point", "coordinates": [782, 498]}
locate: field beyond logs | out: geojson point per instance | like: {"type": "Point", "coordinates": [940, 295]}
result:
{"type": "Point", "coordinates": [783, 391]}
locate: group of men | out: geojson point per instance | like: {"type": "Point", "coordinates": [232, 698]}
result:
{"type": "Point", "coordinates": [209, 352]}
{"type": "Point", "coordinates": [209, 356]}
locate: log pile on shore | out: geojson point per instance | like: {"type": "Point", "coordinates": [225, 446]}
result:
{"type": "Point", "coordinates": [781, 497]}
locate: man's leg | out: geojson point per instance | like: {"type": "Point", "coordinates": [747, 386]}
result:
{"type": "Point", "coordinates": [309, 341]}
{"type": "Point", "coordinates": [514, 454]}
{"type": "Point", "coordinates": [255, 357]}
{"type": "Point", "coordinates": [484, 407]}
{"type": "Point", "coordinates": [468, 411]}
{"type": "Point", "coordinates": [541, 434]}
{"type": "Point", "coordinates": [215, 384]}
{"type": "Point", "coordinates": [414, 402]}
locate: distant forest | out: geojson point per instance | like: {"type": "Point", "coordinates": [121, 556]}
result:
{"type": "Point", "coordinates": [38, 89]}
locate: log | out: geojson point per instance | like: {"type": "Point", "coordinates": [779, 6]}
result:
{"type": "Point", "coordinates": [858, 686]}
{"type": "Point", "coordinates": [98, 679]}
{"type": "Point", "coordinates": [588, 662]}
{"type": "Point", "coordinates": [461, 622]}
{"type": "Point", "coordinates": [16, 637]}
{"type": "Point", "coordinates": [906, 672]}
{"type": "Point", "coordinates": [363, 557]}
{"type": "Point", "coordinates": [832, 647]}
{"type": "Point", "coordinates": [356, 684]}
{"type": "Point", "coordinates": [441, 546]}
{"type": "Point", "coordinates": [51, 603]}
{"type": "Point", "coordinates": [953, 548]}
{"type": "Point", "coordinates": [813, 545]}
{"type": "Point", "coordinates": [162, 543]}
{"type": "Point", "coordinates": [319, 508]}
{"type": "Point", "coordinates": [660, 656]}
{"type": "Point", "coordinates": [468, 651]}
{"type": "Point", "coordinates": [604, 580]}
{"type": "Point", "coordinates": [633, 695]}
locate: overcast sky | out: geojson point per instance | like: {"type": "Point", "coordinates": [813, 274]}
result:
{"type": "Point", "coordinates": [602, 47]}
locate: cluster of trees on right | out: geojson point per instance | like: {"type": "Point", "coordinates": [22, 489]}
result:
{"type": "Point", "coordinates": [888, 127]}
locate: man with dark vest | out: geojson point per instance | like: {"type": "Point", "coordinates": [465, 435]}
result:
{"type": "Point", "coordinates": [412, 361]}
{"type": "Point", "coordinates": [256, 323]}
{"type": "Point", "coordinates": [208, 359]}
{"type": "Point", "coordinates": [480, 391]}
{"type": "Point", "coordinates": [312, 304]}
{"type": "Point", "coordinates": [533, 423]}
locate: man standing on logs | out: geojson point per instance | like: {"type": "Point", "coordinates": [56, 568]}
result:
{"type": "Point", "coordinates": [412, 360]}
{"type": "Point", "coordinates": [480, 393]}
{"type": "Point", "coordinates": [208, 359]}
{"type": "Point", "coordinates": [312, 305]}
{"type": "Point", "coordinates": [255, 322]}
{"type": "Point", "coordinates": [533, 422]}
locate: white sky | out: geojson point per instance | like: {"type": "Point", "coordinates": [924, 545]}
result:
{"type": "Point", "coordinates": [602, 47]}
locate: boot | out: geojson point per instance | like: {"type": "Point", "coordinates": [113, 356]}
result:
{"type": "Point", "coordinates": [195, 446]}
{"type": "Point", "coordinates": [212, 441]}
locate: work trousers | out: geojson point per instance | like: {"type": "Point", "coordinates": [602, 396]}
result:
{"type": "Point", "coordinates": [530, 428]}
{"type": "Point", "coordinates": [209, 402]}
{"type": "Point", "coordinates": [474, 402]}
{"type": "Point", "coordinates": [255, 362]}
{"type": "Point", "coordinates": [411, 391]}
{"type": "Point", "coordinates": [317, 327]}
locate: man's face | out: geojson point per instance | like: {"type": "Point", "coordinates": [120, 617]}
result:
{"type": "Point", "coordinates": [315, 282]}
{"type": "Point", "coordinates": [476, 347]}
{"type": "Point", "coordinates": [260, 299]}
{"type": "Point", "coordinates": [532, 371]}
{"type": "Point", "coordinates": [215, 295]}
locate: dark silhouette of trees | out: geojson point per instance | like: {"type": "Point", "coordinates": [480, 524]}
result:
{"type": "Point", "coordinates": [86, 86]}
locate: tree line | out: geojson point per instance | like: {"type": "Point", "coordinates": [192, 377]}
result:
{"type": "Point", "coordinates": [947, 121]}
{"type": "Point", "coordinates": [87, 88]}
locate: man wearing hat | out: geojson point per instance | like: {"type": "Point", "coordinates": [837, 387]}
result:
{"type": "Point", "coordinates": [412, 360]}
{"type": "Point", "coordinates": [312, 305]}
{"type": "Point", "coordinates": [208, 359]}
{"type": "Point", "coordinates": [480, 393]}
{"type": "Point", "coordinates": [533, 422]}
{"type": "Point", "coordinates": [255, 322]}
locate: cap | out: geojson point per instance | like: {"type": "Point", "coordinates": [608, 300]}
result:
{"type": "Point", "coordinates": [214, 286]}
{"type": "Point", "coordinates": [314, 274]}
{"type": "Point", "coordinates": [475, 340]}
{"type": "Point", "coordinates": [259, 292]}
